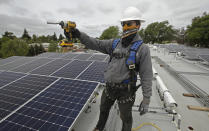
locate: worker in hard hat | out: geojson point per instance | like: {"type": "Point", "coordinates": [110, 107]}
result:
{"type": "Point", "coordinates": [128, 58]}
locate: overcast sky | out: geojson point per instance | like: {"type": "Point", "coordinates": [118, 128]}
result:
{"type": "Point", "coordinates": [92, 16]}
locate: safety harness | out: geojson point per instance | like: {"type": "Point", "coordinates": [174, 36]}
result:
{"type": "Point", "coordinates": [131, 64]}
{"type": "Point", "coordinates": [130, 61]}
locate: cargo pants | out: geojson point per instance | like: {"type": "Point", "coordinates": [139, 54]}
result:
{"type": "Point", "coordinates": [125, 102]}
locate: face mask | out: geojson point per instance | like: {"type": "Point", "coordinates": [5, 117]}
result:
{"type": "Point", "coordinates": [127, 40]}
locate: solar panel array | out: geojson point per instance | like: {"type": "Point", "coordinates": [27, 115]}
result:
{"type": "Point", "coordinates": [190, 53]}
{"type": "Point", "coordinates": [54, 109]}
{"type": "Point", "coordinates": [37, 94]}
{"type": "Point", "coordinates": [32, 65]}
{"type": "Point", "coordinates": [17, 63]}
{"type": "Point", "coordinates": [205, 57]}
{"type": "Point", "coordinates": [10, 59]}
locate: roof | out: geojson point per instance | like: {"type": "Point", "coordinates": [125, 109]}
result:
{"type": "Point", "coordinates": [19, 69]}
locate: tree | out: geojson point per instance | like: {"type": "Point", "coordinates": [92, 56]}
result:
{"type": "Point", "coordinates": [16, 47]}
{"type": "Point", "coordinates": [109, 33]}
{"type": "Point", "coordinates": [41, 49]}
{"type": "Point", "coordinates": [141, 33]}
{"type": "Point", "coordinates": [9, 35]}
{"type": "Point", "coordinates": [52, 47]}
{"type": "Point", "coordinates": [54, 37]}
{"type": "Point", "coordinates": [36, 48]}
{"type": "Point", "coordinates": [158, 32]}
{"type": "Point", "coordinates": [31, 51]}
{"type": "Point", "coordinates": [197, 33]}
{"type": "Point", "coordinates": [26, 35]}
{"type": "Point", "coordinates": [61, 37]}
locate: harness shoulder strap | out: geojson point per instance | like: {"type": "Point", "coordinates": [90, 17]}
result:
{"type": "Point", "coordinates": [114, 45]}
{"type": "Point", "coordinates": [131, 60]}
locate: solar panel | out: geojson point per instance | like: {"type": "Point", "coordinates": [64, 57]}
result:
{"type": "Point", "coordinates": [57, 108]}
{"type": "Point", "coordinates": [205, 57]}
{"type": "Point", "coordinates": [16, 63]}
{"type": "Point", "coordinates": [10, 59]}
{"type": "Point", "coordinates": [56, 55]}
{"type": "Point", "coordinates": [98, 57]}
{"type": "Point", "coordinates": [32, 65]}
{"type": "Point", "coordinates": [84, 56]}
{"type": "Point", "coordinates": [73, 69]}
{"type": "Point", "coordinates": [7, 77]}
{"type": "Point", "coordinates": [50, 67]}
{"type": "Point", "coordinates": [94, 72]}
{"type": "Point", "coordinates": [47, 54]}
{"type": "Point", "coordinates": [17, 93]}
{"type": "Point", "coordinates": [107, 59]}
{"type": "Point", "coordinates": [70, 56]}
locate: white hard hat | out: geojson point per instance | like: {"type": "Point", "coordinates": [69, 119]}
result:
{"type": "Point", "coordinates": [132, 13]}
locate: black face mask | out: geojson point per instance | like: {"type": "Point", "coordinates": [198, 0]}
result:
{"type": "Point", "coordinates": [127, 40]}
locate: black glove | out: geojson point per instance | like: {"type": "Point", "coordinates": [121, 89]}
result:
{"type": "Point", "coordinates": [143, 108]}
{"type": "Point", "coordinates": [75, 33]}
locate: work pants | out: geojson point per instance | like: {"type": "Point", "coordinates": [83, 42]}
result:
{"type": "Point", "coordinates": [107, 100]}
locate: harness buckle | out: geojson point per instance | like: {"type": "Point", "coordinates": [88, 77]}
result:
{"type": "Point", "coordinates": [131, 67]}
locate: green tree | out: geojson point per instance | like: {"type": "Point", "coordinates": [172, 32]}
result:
{"type": "Point", "coordinates": [54, 37]}
{"type": "Point", "coordinates": [197, 33]}
{"type": "Point", "coordinates": [52, 47]}
{"type": "Point", "coordinates": [41, 49]}
{"type": "Point", "coordinates": [31, 51]}
{"type": "Point", "coordinates": [159, 32]}
{"type": "Point", "coordinates": [9, 35]}
{"type": "Point", "coordinates": [36, 48]}
{"type": "Point", "coordinates": [61, 37]}
{"type": "Point", "coordinates": [16, 47]}
{"type": "Point", "coordinates": [109, 33]}
{"type": "Point", "coordinates": [141, 33]}
{"type": "Point", "coordinates": [25, 35]}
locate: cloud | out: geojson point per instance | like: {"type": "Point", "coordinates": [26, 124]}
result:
{"type": "Point", "coordinates": [92, 16]}
{"type": "Point", "coordinates": [5, 2]}
{"type": "Point", "coordinates": [17, 25]}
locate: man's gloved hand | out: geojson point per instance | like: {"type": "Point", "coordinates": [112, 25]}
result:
{"type": "Point", "coordinates": [75, 33]}
{"type": "Point", "coordinates": [143, 108]}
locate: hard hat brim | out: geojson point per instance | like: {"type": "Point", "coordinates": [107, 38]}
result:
{"type": "Point", "coordinates": [128, 19]}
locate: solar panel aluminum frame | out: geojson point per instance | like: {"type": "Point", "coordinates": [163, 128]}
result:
{"type": "Point", "coordinates": [84, 107]}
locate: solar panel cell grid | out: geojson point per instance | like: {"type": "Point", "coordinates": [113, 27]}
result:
{"type": "Point", "coordinates": [10, 59]}
{"type": "Point", "coordinates": [56, 55]}
{"type": "Point", "coordinates": [69, 56]}
{"type": "Point", "coordinates": [47, 54]}
{"type": "Point", "coordinates": [83, 56]}
{"type": "Point", "coordinates": [32, 65]}
{"type": "Point", "coordinates": [7, 77]}
{"type": "Point", "coordinates": [98, 57]}
{"type": "Point", "coordinates": [17, 63]}
{"type": "Point", "coordinates": [53, 109]}
{"type": "Point", "coordinates": [73, 69]}
{"type": "Point", "coordinates": [50, 67]}
{"type": "Point", "coordinates": [205, 57]}
{"type": "Point", "coordinates": [95, 72]}
{"type": "Point", "coordinates": [17, 93]}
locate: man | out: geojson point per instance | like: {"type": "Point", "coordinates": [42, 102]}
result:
{"type": "Point", "coordinates": [120, 78]}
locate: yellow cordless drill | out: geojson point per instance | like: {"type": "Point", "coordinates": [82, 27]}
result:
{"type": "Point", "coordinates": [68, 26]}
